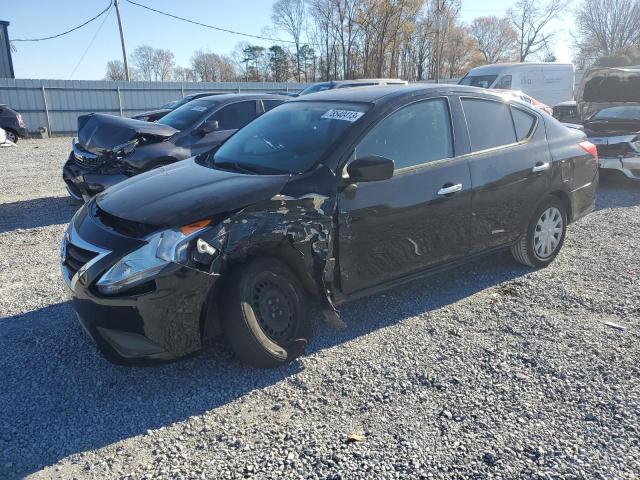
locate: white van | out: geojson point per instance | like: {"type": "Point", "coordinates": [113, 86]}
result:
{"type": "Point", "coordinates": [550, 83]}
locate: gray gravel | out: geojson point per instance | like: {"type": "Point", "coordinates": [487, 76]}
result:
{"type": "Point", "coordinates": [488, 371]}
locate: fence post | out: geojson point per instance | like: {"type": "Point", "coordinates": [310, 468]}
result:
{"type": "Point", "coordinates": [119, 100]}
{"type": "Point", "coordinates": [182, 89]}
{"type": "Point", "coordinates": [46, 111]}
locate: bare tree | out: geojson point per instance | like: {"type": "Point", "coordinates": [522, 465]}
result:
{"type": "Point", "coordinates": [183, 74]}
{"type": "Point", "coordinates": [530, 18]}
{"type": "Point", "coordinates": [606, 27]}
{"type": "Point", "coordinates": [163, 64]}
{"type": "Point", "coordinates": [289, 16]}
{"type": "Point", "coordinates": [495, 38]}
{"type": "Point", "coordinates": [115, 70]}
{"type": "Point", "coordinates": [143, 62]}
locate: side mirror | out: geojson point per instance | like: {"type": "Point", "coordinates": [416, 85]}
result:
{"type": "Point", "coordinates": [209, 126]}
{"type": "Point", "coordinates": [370, 168]}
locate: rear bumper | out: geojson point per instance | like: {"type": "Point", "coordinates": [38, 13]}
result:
{"type": "Point", "coordinates": [84, 183]}
{"type": "Point", "coordinates": [629, 166]}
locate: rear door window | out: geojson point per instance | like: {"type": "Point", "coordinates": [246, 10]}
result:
{"type": "Point", "coordinates": [415, 134]}
{"type": "Point", "coordinates": [236, 115]}
{"type": "Point", "coordinates": [489, 123]}
{"type": "Point", "coordinates": [523, 122]}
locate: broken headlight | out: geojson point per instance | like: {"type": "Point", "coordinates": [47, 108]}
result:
{"type": "Point", "coordinates": [161, 249]}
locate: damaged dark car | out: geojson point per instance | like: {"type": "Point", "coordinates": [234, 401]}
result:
{"type": "Point", "coordinates": [153, 115]}
{"type": "Point", "coordinates": [110, 149]}
{"type": "Point", "coordinates": [325, 199]}
{"type": "Point", "coordinates": [609, 104]}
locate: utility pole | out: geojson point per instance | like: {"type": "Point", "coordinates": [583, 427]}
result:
{"type": "Point", "coordinates": [438, 11]}
{"type": "Point", "coordinates": [124, 48]}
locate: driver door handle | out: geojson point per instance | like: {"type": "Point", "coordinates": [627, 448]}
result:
{"type": "Point", "coordinates": [541, 167]}
{"type": "Point", "coordinates": [451, 189]}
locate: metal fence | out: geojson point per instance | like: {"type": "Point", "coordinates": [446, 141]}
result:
{"type": "Point", "coordinates": [56, 104]}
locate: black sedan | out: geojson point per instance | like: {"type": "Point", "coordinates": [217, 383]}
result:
{"type": "Point", "coordinates": [327, 198]}
{"type": "Point", "coordinates": [153, 115]}
{"type": "Point", "coordinates": [111, 149]}
{"type": "Point", "coordinates": [12, 123]}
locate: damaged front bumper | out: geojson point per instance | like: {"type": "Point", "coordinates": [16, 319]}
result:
{"type": "Point", "coordinates": [85, 177]}
{"type": "Point", "coordinates": [629, 166]}
{"type": "Point", "coordinates": [158, 321]}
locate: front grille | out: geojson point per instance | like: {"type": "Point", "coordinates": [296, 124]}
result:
{"type": "Point", "coordinates": [123, 226]}
{"type": "Point", "coordinates": [76, 258]}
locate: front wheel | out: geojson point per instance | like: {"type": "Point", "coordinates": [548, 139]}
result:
{"type": "Point", "coordinates": [545, 234]}
{"type": "Point", "coordinates": [265, 314]}
{"type": "Point", "coordinates": [12, 136]}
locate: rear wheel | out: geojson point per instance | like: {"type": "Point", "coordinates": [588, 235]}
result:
{"type": "Point", "coordinates": [266, 317]}
{"type": "Point", "coordinates": [545, 234]}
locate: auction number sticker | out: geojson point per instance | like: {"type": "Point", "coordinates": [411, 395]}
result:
{"type": "Point", "coordinates": [346, 115]}
{"type": "Point", "coordinates": [198, 109]}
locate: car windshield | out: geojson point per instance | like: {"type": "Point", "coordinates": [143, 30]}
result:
{"type": "Point", "coordinates": [185, 116]}
{"type": "Point", "coordinates": [484, 81]}
{"type": "Point", "coordinates": [289, 139]}
{"type": "Point", "coordinates": [317, 87]}
{"type": "Point", "coordinates": [618, 113]}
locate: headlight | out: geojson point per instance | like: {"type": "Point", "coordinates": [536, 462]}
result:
{"type": "Point", "coordinates": [636, 143]}
{"type": "Point", "coordinates": [139, 266]}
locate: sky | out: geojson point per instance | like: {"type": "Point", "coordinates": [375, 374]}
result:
{"type": "Point", "coordinates": [83, 54]}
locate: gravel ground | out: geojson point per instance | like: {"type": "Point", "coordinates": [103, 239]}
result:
{"type": "Point", "coordinates": [489, 371]}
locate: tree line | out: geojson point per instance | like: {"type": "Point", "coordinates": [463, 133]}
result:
{"type": "Point", "coordinates": [409, 39]}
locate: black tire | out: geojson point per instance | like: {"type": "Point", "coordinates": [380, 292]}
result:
{"type": "Point", "coordinates": [261, 287]}
{"type": "Point", "coordinates": [528, 250]}
{"type": "Point", "coordinates": [12, 136]}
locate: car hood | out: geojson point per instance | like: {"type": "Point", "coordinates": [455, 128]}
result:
{"type": "Point", "coordinates": [604, 87]}
{"type": "Point", "coordinates": [186, 192]}
{"type": "Point", "coordinates": [99, 133]}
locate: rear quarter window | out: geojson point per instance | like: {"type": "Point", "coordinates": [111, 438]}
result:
{"type": "Point", "coordinates": [489, 123]}
{"type": "Point", "coordinates": [524, 123]}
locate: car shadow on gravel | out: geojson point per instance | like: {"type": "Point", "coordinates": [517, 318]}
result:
{"type": "Point", "coordinates": [37, 212]}
{"type": "Point", "coordinates": [60, 397]}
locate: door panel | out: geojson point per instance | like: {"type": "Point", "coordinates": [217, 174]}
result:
{"type": "Point", "coordinates": [399, 226]}
{"type": "Point", "coordinates": [506, 189]}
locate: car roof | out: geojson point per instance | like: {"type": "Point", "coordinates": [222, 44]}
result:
{"type": "Point", "coordinates": [235, 97]}
{"type": "Point", "coordinates": [379, 94]}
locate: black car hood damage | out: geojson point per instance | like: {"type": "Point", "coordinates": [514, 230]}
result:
{"type": "Point", "coordinates": [99, 133]}
{"type": "Point", "coordinates": [186, 192]}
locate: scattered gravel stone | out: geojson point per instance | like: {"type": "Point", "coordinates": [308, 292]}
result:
{"type": "Point", "coordinates": [532, 383]}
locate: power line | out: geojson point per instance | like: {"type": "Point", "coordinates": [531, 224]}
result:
{"type": "Point", "coordinates": [95, 35]}
{"type": "Point", "coordinates": [64, 33]}
{"type": "Point", "coordinates": [209, 26]}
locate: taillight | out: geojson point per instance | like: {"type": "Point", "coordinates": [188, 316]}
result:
{"type": "Point", "coordinates": [589, 148]}
{"type": "Point", "coordinates": [20, 120]}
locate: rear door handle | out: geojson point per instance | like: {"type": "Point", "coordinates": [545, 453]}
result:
{"type": "Point", "coordinates": [450, 190]}
{"type": "Point", "coordinates": [541, 167]}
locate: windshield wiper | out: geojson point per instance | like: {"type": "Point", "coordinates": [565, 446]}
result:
{"type": "Point", "coordinates": [237, 167]}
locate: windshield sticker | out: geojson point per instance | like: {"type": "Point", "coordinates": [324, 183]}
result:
{"type": "Point", "coordinates": [346, 115]}
{"type": "Point", "coordinates": [198, 109]}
